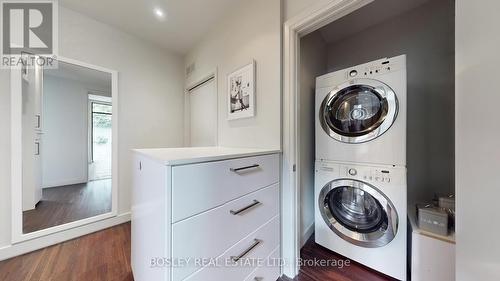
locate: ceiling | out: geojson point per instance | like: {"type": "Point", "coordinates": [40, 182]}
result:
{"type": "Point", "coordinates": [185, 23]}
{"type": "Point", "coordinates": [372, 14]}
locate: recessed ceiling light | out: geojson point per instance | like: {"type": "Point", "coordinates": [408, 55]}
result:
{"type": "Point", "coordinates": [159, 13]}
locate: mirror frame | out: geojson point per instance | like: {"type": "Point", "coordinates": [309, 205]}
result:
{"type": "Point", "coordinates": [17, 163]}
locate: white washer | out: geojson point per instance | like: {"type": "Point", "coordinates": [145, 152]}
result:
{"type": "Point", "coordinates": [361, 113]}
{"type": "Point", "coordinates": [360, 213]}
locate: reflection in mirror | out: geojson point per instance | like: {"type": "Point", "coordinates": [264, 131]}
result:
{"type": "Point", "coordinates": [67, 129]}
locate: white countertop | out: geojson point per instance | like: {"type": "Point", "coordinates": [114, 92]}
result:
{"type": "Point", "coordinates": [190, 155]}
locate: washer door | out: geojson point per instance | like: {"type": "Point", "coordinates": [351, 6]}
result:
{"type": "Point", "coordinates": [358, 212]}
{"type": "Point", "coordinates": [358, 111]}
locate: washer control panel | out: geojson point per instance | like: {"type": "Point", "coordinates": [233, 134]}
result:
{"type": "Point", "coordinates": [352, 172]}
{"type": "Point", "coordinates": [369, 70]}
{"type": "Point", "coordinates": [376, 175]}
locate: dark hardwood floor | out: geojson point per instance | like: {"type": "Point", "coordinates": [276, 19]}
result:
{"type": "Point", "coordinates": [105, 256]}
{"type": "Point", "coordinates": [100, 256]}
{"type": "Point", "coordinates": [353, 272]}
{"type": "Point", "coordinates": [69, 203]}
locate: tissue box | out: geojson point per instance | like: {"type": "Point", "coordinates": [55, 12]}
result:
{"type": "Point", "coordinates": [447, 203]}
{"type": "Point", "coordinates": [434, 220]}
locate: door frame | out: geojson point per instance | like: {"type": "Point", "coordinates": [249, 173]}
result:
{"type": "Point", "coordinates": [304, 23]}
{"type": "Point", "coordinates": [17, 234]}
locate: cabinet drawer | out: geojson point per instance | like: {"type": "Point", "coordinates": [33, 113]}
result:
{"type": "Point", "coordinates": [200, 187]}
{"type": "Point", "coordinates": [210, 234]}
{"type": "Point", "coordinates": [253, 250]}
{"type": "Point", "coordinates": [269, 271]}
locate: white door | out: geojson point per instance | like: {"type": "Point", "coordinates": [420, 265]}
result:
{"type": "Point", "coordinates": [203, 114]}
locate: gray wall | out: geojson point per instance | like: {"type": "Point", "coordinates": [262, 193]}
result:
{"type": "Point", "coordinates": [312, 64]}
{"type": "Point", "coordinates": [426, 36]}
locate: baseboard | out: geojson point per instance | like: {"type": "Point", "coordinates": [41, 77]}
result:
{"type": "Point", "coordinates": [29, 208]}
{"type": "Point", "coordinates": [307, 234]}
{"type": "Point", "coordinates": [56, 238]}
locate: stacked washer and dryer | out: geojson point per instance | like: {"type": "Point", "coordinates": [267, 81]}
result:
{"type": "Point", "coordinates": [360, 169]}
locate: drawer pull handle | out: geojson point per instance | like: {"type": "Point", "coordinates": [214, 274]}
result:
{"type": "Point", "coordinates": [244, 168]}
{"type": "Point", "coordinates": [242, 255]}
{"type": "Point", "coordinates": [258, 278]}
{"type": "Point", "coordinates": [237, 212]}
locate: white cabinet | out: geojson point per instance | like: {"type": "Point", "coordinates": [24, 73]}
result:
{"type": "Point", "coordinates": [38, 168]}
{"type": "Point", "coordinates": [222, 227]}
{"type": "Point", "coordinates": [38, 99]}
{"type": "Point", "coordinates": [269, 271]}
{"type": "Point", "coordinates": [205, 218]}
{"type": "Point", "coordinates": [32, 137]}
{"type": "Point", "coordinates": [252, 250]}
{"type": "Point", "coordinates": [432, 259]}
{"type": "Point", "coordinates": [432, 255]}
{"type": "Point", "coordinates": [222, 181]}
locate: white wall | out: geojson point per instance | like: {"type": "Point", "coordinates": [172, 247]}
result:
{"type": "Point", "coordinates": [150, 91]}
{"type": "Point", "coordinates": [252, 31]}
{"type": "Point", "coordinates": [5, 202]}
{"type": "Point", "coordinates": [477, 140]}
{"type": "Point", "coordinates": [426, 36]}
{"type": "Point", "coordinates": [65, 140]}
{"type": "Point", "coordinates": [313, 53]}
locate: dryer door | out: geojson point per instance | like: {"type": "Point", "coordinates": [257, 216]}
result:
{"type": "Point", "coordinates": [358, 111]}
{"type": "Point", "coordinates": [358, 212]}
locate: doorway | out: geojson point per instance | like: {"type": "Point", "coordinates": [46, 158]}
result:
{"type": "Point", "coordinates": [336, 36]}
{"type": "Point", "coordinates": [100, 139]}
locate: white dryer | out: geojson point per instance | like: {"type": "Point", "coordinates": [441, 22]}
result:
{"type": "Point", "coordinates": [361, 113]}
{"type": "Point", "coordinates": [360, 213]}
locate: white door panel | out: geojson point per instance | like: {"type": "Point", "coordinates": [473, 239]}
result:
{"type": "Point", "coordinates": [203, 115]}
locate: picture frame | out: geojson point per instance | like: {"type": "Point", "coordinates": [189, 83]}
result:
{"type": "Point", "coordinates": [241, 92]}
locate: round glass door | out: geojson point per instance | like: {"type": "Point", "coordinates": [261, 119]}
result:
{"type": "Point", "coordinates": [358, 212]}
{"type": "Point", "coordinates": [359, 111]}
{"type": "Point", "coordinates": [355, 209]}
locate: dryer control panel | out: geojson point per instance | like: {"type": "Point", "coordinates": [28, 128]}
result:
{"type": "Point", "coordinates": [370, 70]}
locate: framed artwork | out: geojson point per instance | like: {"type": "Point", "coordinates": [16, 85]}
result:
{"type": "Point", "coordinates": [241, 92]}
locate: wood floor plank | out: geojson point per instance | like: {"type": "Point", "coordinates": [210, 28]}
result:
{"type": "Point", "coordinates": [353, 272]}
{"type": "Point", "coordinates": [64, 204]}
{"type": "Point", "coordinates": [105, 256]}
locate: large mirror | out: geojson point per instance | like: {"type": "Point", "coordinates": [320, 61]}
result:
{"type": "Point", "coordinates": [67, 145]}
